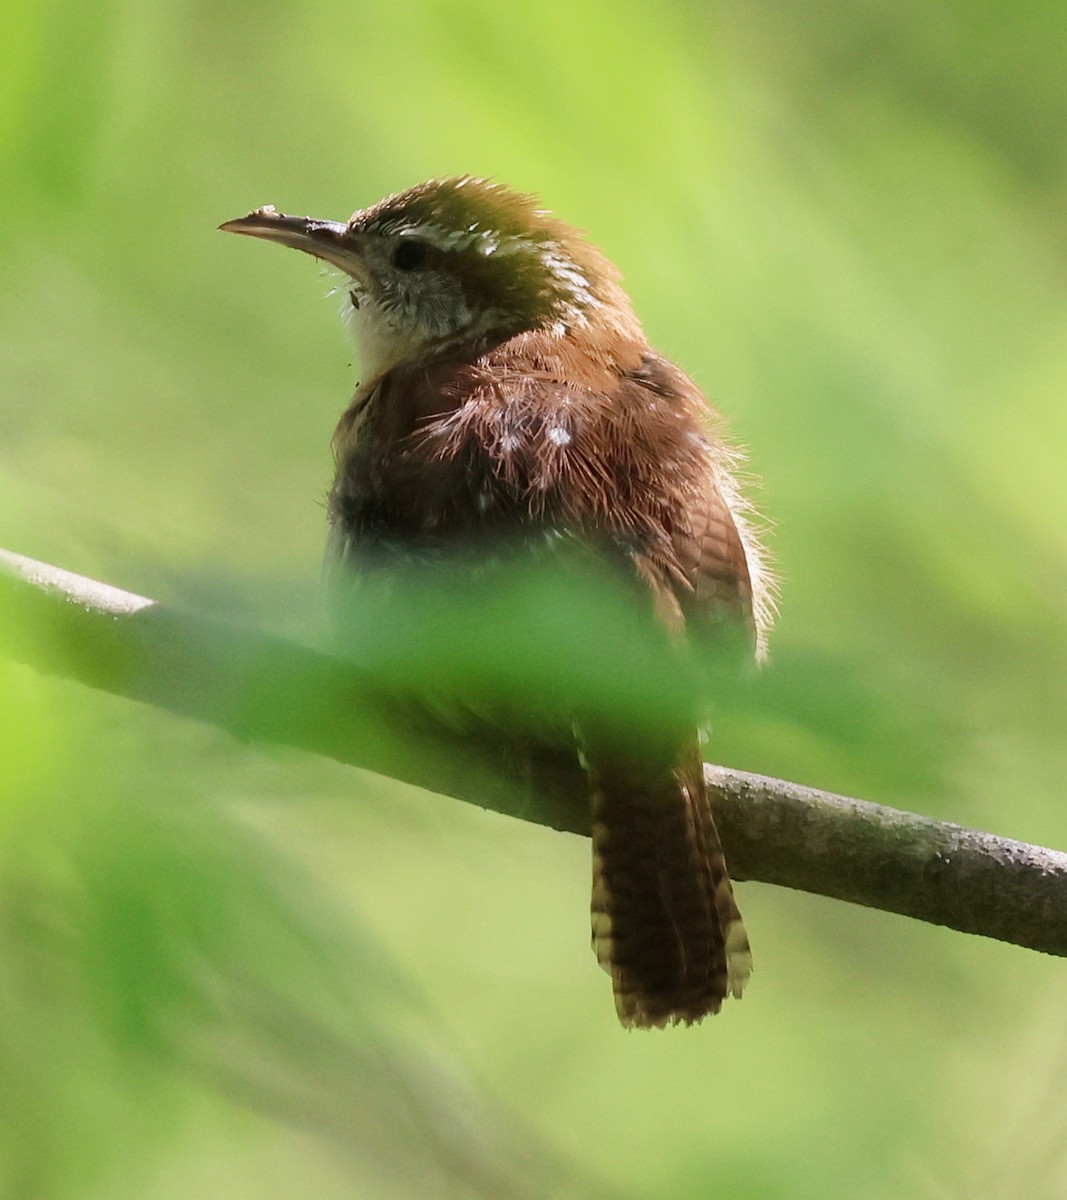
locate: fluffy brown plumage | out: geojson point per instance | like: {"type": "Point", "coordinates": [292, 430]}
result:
{"type": "Point", "coordinates": [511, 393]}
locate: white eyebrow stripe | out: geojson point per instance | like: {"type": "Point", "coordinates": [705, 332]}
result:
{"type": "Point", "coordinates": [485, 241]}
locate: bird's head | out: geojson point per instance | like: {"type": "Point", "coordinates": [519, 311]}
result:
{"type": "Point", "coordinates": [454, 265]}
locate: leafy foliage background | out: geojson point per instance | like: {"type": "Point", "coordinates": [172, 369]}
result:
{"type": "Point", "coordinates": [847, 223]}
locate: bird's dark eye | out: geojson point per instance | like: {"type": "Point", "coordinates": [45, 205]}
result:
{"type": "Point", "coordinates": [410, 255]}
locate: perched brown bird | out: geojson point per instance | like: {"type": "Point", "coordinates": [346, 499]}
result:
{"type": "Point", "coordinates": [508, 389]}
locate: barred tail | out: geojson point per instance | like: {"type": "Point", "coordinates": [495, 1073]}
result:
{"type": "Point", "coordinates": [666, 926]}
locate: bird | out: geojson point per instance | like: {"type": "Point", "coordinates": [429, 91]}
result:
{"type": "Point", "coordinates": [508, 390]}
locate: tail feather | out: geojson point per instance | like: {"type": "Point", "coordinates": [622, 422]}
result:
{"type": "Point", "coordinates": [665, 924]}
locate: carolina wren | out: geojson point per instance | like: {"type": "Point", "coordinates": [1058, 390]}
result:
{"type": "Point", "coordinates": [508, 390]}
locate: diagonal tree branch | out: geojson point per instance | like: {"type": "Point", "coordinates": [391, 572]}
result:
{"type": "Point", "coordinates": [263, 688]}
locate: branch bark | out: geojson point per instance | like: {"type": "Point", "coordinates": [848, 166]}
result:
{"type": "Point", "coordinates": [263, 688]}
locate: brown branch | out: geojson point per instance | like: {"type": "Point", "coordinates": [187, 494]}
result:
{"type": "Point", "coordinates": [263, 688]}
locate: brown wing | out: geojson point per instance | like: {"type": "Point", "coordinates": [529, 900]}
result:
{"type": "Point", "coordinates": [703, 572]}
{"type": "Point", "coordinates": [716, 593]}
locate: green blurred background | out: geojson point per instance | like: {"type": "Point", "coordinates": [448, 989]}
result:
{"type": "Point", "coordinates": [236, 973]}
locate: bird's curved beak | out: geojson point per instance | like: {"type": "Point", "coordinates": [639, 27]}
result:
{"type": "Point", "coordinates": [331, 241]}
